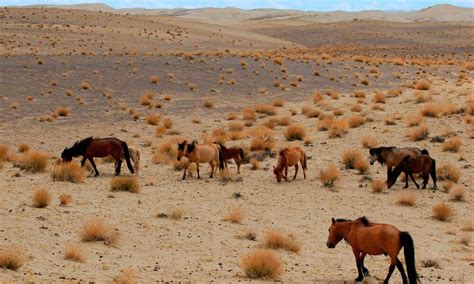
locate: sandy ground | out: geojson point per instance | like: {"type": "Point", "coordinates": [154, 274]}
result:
{"type": "Point", "coordinates": [202, 247]}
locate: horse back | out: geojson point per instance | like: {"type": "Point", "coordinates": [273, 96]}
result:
{"type": "Point", "coordinates": [376, 239]}
{"type": "Point", "coordinates": [400, 153]}
{"type": "Point", "coordinates": [104, 147]}
{"type": "Point", "coordinates": [206, 152]}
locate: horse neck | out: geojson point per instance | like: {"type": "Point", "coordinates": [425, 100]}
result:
{"type": "Point", "coordinates": [345, 228]}
{"type": "Point", "coordinates": [281, 162]}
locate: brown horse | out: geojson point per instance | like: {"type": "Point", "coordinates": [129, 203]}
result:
{"type": "Point", "coordinates": [289, 157]}
{"type": "Point", "coordinates": [200, 153]}
{"type": "Point", "coordinates": [235, 153]}
{"type": "Point", "coordinates": [414, 165]}
{"type": "Point", "coordinates": [90, 147]}
{"type": "Point", "coordinates": [392, 156]}
{"type": "Point", "coordinates": [375, 239]}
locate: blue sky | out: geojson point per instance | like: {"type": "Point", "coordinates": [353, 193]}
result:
{"type": "Point", "coordinates": [307, 5]}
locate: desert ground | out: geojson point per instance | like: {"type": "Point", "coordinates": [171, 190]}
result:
{"type": "Point", "coordinates": [334, 85]}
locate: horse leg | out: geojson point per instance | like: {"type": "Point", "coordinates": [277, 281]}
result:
{"type": "Point", "coordinates": [413, 179]}
{"type": "Point", "coordinates": [402, 271]}
{"type": "Point", "coordinates": [185, 168]}
{"type": "Point", "coordinates": [83, 161]}
{"type": "Point", "coordinates": [118, 166]}
{"type": "Point", "coordinates": [406, 180]}
{"type": "Point", "coordinates": [360, 275]}
{"type": "Point", "coordinates": [286, 173]}
{"type": "Point", "coordinates": [212, 169]}
{"type": "Point", "coordinates": [304, 169]}
{"type": "Point", "coordinates": [238, 166]}
{"type": "Point", "coordinates": [197, 169]}
{"type": "Point", "coordinates": [296, 171]}
{"type": "Point", "coordinates": [365, 271]}
{"type": "Point", "coordinates": [93, 165]}
{"type": "Point", "coordinates": [426, 177]}
{"type": "Point", "coordinates": [390, 271]}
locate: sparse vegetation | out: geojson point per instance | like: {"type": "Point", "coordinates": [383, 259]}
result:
{"type": "Point", "coordinates": [329, 176]}
{"type": "Point", "coordinates": [457, 193]}
{"type": "Point", "coordinates": [418, 133]}
{"type": "Point", "coordinates": [406, 199]}
{"type": "Point", "coordinates": [378, 186]}
{"type": "Point", "coordinates": [41, 198]}
{"type": "Point", "coordinates": [11, 257]}
{"type": "Point", "coordinates": [153, 119]}
{"type": "Point", "coordinates": [275, 240]}
{"type": "Point", "coordinates": [234, 215]}
{"type": "Point", "coordinates": [70, 172]}
{"type": "Point", "coordinates": [442, 212]}
{"type": "Point", "coordinates": [65, 199]}
{"type": "Point", "coordinates": [74, 252]}
{"type": "Point", "coordinates": [95, 230]}
{"type": "Point", "coordinates": [125, 183]}
{"type": "Point", "coordinates": [33, 161]}
{"type": "Point", "coordinates": [295, 132]}
{"type": "Point", "coordinates": [369, 142]}
{"type": "Point", "coordinates": [448, 172]}
{"type": "Point", "coordinates": [452, 145]}
{"type": "Point", "coordinates": [265, 109]}
{"type": "Point", "coordinates": [262, 264]}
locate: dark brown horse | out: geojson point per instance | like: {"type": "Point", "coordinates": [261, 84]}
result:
{"type": "Point", "coordinates": [289, 157]}
{"type": "Point", "coordinates": [392, 156]}
{"type": "Point", "coordinates": [368, 238]}
{"type": "Point", "coordinates": [90, 147]}
{"type": "Point", "coordinates": [235, 153]}
{"type": "Point", "coordinates": [423, 164]}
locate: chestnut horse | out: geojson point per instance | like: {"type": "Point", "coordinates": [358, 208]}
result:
{"type": "Point", "coordinates": [200, 153]}
{"type": "Point", "coordinates": [392, 156]}
{"type": "Point", "coordinates": [375, 239]}
{"type": "Point", "coordinates": [90, 147]}
{"type": "Point", "coordinates": [414, 165]}
{"type": "Point", "coordinates": [235, 153]}
{"type": "Point", "coordinates": [289, 157]}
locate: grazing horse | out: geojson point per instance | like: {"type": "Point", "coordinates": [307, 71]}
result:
{"type": "Point", "coordinates": [375, 239]}
{"type": "Point", "coordinates": [289, 157]}
{"type": "Point", "coordinates": [90, 147]}
{"type": "Point", "coordinates": [235, 153]}
{"type": "Point", "coordinates": [392, 156]}
{"type": "Point", "coordinates": [201, 153]}
{"type": "Point", "coordinates": [414, 165]}
{"type": "Point", "coordinates": [134, 156]}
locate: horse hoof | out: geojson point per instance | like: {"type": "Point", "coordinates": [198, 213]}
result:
{"type": "Point", "coordinates": [366, 273]}
{"type": "Point", "coordinates": [359, 279]}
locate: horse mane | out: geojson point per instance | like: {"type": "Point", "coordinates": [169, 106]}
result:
{"type": "Point", "coordinates": [191, 147]}
{"type": "Point", "coordinates": [80, 146]}
{"type": "Point", "coordinates": [364, 221]}
{"type": "Point", "coordinates": [342, 220]}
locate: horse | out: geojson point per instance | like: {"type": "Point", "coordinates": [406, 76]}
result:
{"type": "Point", "coordinates": [413, 165]}
{"type": "Point", "coordinates": [392, 156]}
{"type": "Point", "coordinates": [375, 239]}
{"type": "Point", "coordinates": [200, 153]}
{"type": "Point", "coordinates": [90, 147]}
{"type": "Point", "coordinates": [235, 153]}
{"type": "Point", "coordinates": [289, 157]}
{"type": "Point", "coordinates": [134, 156]}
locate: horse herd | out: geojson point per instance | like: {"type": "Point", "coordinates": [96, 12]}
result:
{"type": "Point", "coordinates": [364, 237]}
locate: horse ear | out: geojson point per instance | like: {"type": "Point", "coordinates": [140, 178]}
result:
{"type": "Point", "coordinates": [333, 221]}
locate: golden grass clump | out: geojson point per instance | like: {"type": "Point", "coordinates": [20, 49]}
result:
{"type": "Point", "coordinates": [146, 99]}
{"type": "Point", "coordinates": [3, 152]}
{"type": "Point", "coordinates": [295, 132]}
{"type": "Point", "coordinates": [208, 103]}
{"type": "Point", "coordinates": [153, 119]}
{"type": "Point", "coordinates": [249, 114]}
{"type": "Point", "coordinates": [278, 102]}
{"type": "Point", "coordinates": [406, 199]}
{"type": "Point", "coordinates": [74, 252]}
{"type": "Point", "coordinates": [265, 109]}
{"type": "Point", "coordinates": [235, 215]}
{"type": "Point", "coordinates": [262, 264]}
{"type": "Point", "coordinates": [359, 94]}
{"type": "Point", "coordinates": [355, 121]}
{"type": "Point", "coordinates": [70, 172]}
{"type": "Point", "coordinates": [235, 125]}
{"type": "Point", "coordinates": [176, 213]}
{"type": "Point", "coordinates": [431, 110]}
{"type": "Point", "coordinates": [284, 120]}
{"type": "Point", "coordinates": [329, 175]}
{"type": "Point", "coordinates": [167, 122]}
{"type": "Point", "coordinates": [349, 158]}
{"type": "Point", "coordinates": [369, 142]}
{"type": "Point", "coordinates": [62, 111]}
{"type": "Point", "coordinates": [125, 183]}
{"type": "Point", "coordinates": [232, 116]}
{"type": "Point", "coordinates": [442, 212]}
{"type": "Point", "coordinates": [276, 240]}
{"type": "Point", "coordinates": [94, 230]}
{"type": "Point", "coordinates": [255, 163]}
{"type": "Point", "coordinates": [154, 79]}
{"type": "Point", "coordinates": [377, 186]}
{"type": "Point", "coordinates": [457, 193]}
{"type": "Point", "coordinates": [310, 111]}
{"type": "Point", "coordinates": [338, 128]}
{"type": "Point", "coordinates": [41, 198]}
{"type": "Point", "coordinates": [378, 98]}
{"type": "Point", "coordinates": [356, 108]}
{"type": "Point", "coordinates": [414, 120]}
{"type": "Point", "coordinates": [452, 145]}
{"type": "Point", "coordinates": [11, 257]}
{"type": "Point", "coordinates": [22, 148]}
{"type": "Point", "coordinates": [65, 199]}
{"type": "Point", "coordinates": [126, 276]}
{"type": "Point", "coordinates": [419, 133]}
{"type": "Point", "coordinates": [362, 165]}
{"type": "Point", "coordinates": [448, 172]}
{"type": "Point", "coordinates": [422, 86]}
{"type": "Point", "coordinates": [33, 161]}
{"type": "Point", "coordinates": [85, 85]}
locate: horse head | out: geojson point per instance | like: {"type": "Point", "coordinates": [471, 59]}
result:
{"type": "Point", "coordinates": [278, 173]}
{"type": "Point", "coordinates": [374, 155]}
{"type": "Point", "coordinates": [66, 155]}
{"type": "Point", "coordinates": [395, 173]}
{"type": "Point", "coordinates": [335, 236]}
{"type": "Point", "coordinates": [182, 149]}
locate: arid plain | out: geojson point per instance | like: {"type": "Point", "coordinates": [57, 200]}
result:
{"type": "Point", "coordinates": [334, 84]}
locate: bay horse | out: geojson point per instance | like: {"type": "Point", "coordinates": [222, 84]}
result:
{"type": "Point", "coordinates": [90, 147]}
{"type": "Point", "coordinates": [423, 164]}
{"type": "Point", "coordinates": [368, 238]}
{"type": "Point", "coordinates": [392, 156]}
{"type": "Point", "coordinates": [235, 153]}
{"type": "Point", "coordinates": [289, 157]}
{"type": "Point", "coordinates": [200, 153]}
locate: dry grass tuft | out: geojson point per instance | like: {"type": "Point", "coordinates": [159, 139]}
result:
{"type": "Point", "coordinates": [278, 102]}
{"type": "Point", "coordinates": [33, 161]}
{"type": "Point", "coordinates": [378, 186]}
{"type": "Point", "coordinates": [208, 103]}
{"type": "Point", "coordinates": [41, 198]}
{"type": "Point", "coordinates": [11, 257]}
{"type": "Point", "coordinates": [457, 193]}
{"type": "Point", "coordinates": [94, 230]}
{"type": "Point", "coordinates": [85, 85]}
{"type": "Point", "coordinates": [422, 86]}
{"type": "Point", "coordinates": [350, 157]}
{"type": "Point", "coordinates": [431, 110]}
{"type": "Point", "coordinates": [65, 199]}
{"type": "Point", "coordinates": [275, 240]}
{"type": "Point", "coordinates": [448, 172]}
{"type": "Point", "coordinates": [74, 252]}
{"type": "Point", "coordinates": [250, 235]}
{"type": "Point", "coordinates": [153, 119]}
{"type": "Point", "coordinates": [176, 213]}
{"type": "Point", "coordinates": [62, 111]}
{"type": "Point", "coordinates": [255, 163]}
{"type": "Point", "coordinates": [265, 109]}
{"type": "Point", "coordinates": [362, 165]}
{"type": "Point", "coordinates": [419, 133]}
{"type": "Point", "coordinates": [125, 183]}
{"type": "Point", "coordinates": [329, 176]}
{"type": "Point", "coordinates": [154, 79]}
{"type": "Point", "coordinates": [452, 145]}
{"type": "Point", "coordinates": [146, 99]}
{"type": "Point", "coordinates": [22, 148]}
{"type": "Point", "coordinates": [338, 128]}
{"type": "Point", "coordinates": [295, 132]}
{"type": "Point", "coordinates": [442, 212]}
{"type": "Point", "coordinates": [249, 114]}
{"type": "Point", "coordinates": [369, 142]}
{"type": "Point", "coordinates": [261, 264]}
{"type": "Point", "coordinates": [235, 215]}
{"type": "Point", "coordinates": [71, 172]}
{"type": "Point", "coordinates": [126, 276]}
{"type": "Point", "coordinates": [167, 122]}
{"type": "Point", "coordinates": [236, 125]}
{"type": "Point", "coordinates": [414, 120]}
{"type": "Point", "coordinates": [310, 111]}
{"type": "Point", "coordinates": [3, 152]}
{"type": "Point", "coordinates": [378, 98]}
{"type": "Point", "coordinates": [356, 121]}
{"type": "Point", "coordinates": [406, 199]}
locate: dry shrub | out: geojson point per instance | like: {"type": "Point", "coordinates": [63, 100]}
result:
{"type": "Point", "coordinates": [255, 164]}
{"type": "Point", "coordinates": [235, 215]}
{"type": "Point", "coordinates": [261, 264]}
{"type": "Point", "coordinates": [325, 124]}
{"type": "Point", "coordinates": [74, 252]}
{"type": "Point", "coordinates": [284, 120]}
{"type": "Point", "coordinates": [349, 158]}
{"type": "Point", "coordinates": [329, 175]}
{"type": "Point", "coordinates": [41, 198]}
{"type": "Point", "coordinates": [265, 109]}
{"type": "Point", "coordinates": [422, 86]}
{"type": "Point", "coordinates": [419, 133]}
{"type": "Point", "coordinates": [125, 183]}
{"type": "Point", "coordinates": [317, 97]}
{"type": "Point", "coordinates": [208, 103]}
{"type": "Point", "coordinates": [338, 128]}
{"type": "Point", "coordinates": [431, 110]}
{"type": "Point", "coordinates": [3, 152]}
{"type": "Point", "coordinates": [378, 98]}
{"type": "Point", "coordinates": [276, 240]}
{"type": "Point", "coordinates": [364, 82]}
{"type": "Point", "coordinates": [85, 85]}
{"type": "Point", "coordinates": [153, 119]}
{"type": "Point", "coordinates": [11, 257]}
{"type": "Point", "coordinates": [250, 235]}
{"type": "Point", "coordinates": [356, 108]}
{"type": "Point", "coordinates": [65, 199]}
{"type": "Point", "coordinates": [145, 99]}
{"type": "Point", "coordinates": [359, 94]}
{"type": "Point", "coordinates": [33, 161]}
{"type": "Point", "coordinates": [126, 276]}
{"type": "Point", "coordinates": [232, 116]}
{"type": "Point", "coordinates": [378, 107]}
{"type": "Point", "coordinates": [167, 122]}
{"type": "Point", "coordinates": [278, 102]}
{"type": "Point", "coordinates": [176, 213]}
{"type": "Point", "coordinates": [154, 79]}
{"type": "Point", "coordinates": [452, 145]}
{"type": "Point", "coordinates": [457, 193]}
{"type": "Point", "coordinates": [70, 172]}
{"type": "Point", "coordinates": [236, 135]}
{"type": "Point", "coordinates": [406, 199]}
{"type": "Point", "coordinates": [295, 132]}
{"type": "Point", "coordinates": [310, 111]}
{"type": "Point", "coordinates": [236, 125]}
{"type": "Point", "coordinates": [414, 120]}
{"type": "Point", "coordinates": [422, 98]}
{"type": "Point", "coordinates": [95, 230]}
{"type": "Point", "coordinates": [442, 212]}
{"type": "Point", "coordinates": [369, 142]}
{"type": "Point", "coordinates": [22, 148]}
{"type": "Point", "coordinates": [378, 186]}
{"type": "Point", "coordinates": [448, 172]}
{"type": "Point", "coordinates": [356, 121]}
{"type": "Point", "coordinates": [362, 165]}
{"type": "Point", "coordinates": [249, 114]}
{"type": "Point", "coordinates": [62, 111]}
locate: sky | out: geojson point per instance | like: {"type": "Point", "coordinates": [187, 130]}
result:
{"type": "Point", "coordinates": [305, 5]}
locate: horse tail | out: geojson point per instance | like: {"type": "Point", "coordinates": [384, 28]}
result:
{"type": "Point", "coordinates": [305, 160]}
{"type": "Point", "coordinates": [241, 152]}
{"type": "Point", "coordinates": [126, 153]}
{"type": "Point", "coordinates": [425, 152]}
{"type": "Point", "coordinates": [221, 158]}
{"type": "Point", "coordinates": [407, 243]}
